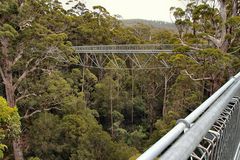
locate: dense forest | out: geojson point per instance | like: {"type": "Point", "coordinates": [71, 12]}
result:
{"type": "Point", "coordinates": [51, 108]}
{"type": "Point", "coordinates": [154, 24]}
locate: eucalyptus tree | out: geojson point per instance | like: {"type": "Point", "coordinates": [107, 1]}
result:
{"type": "Point", "coordinates": [214, 22]}
{"type": "Point", "coordinates": [31, 39]}
{"type": "Point", "coordinates": [110, 95]}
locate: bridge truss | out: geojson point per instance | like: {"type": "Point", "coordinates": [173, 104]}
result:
{"type": "Point", "coordinates": [134, 56]}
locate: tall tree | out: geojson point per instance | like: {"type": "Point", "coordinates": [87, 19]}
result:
{"type": "Point", "coordinates": [31, 38]}
{"type": "Point", "coordinates": [214, 21]}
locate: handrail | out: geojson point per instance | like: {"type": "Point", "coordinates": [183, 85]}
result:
{"type": "Point", "coordinates": [156, 149]}
{"type": "Point", "coordinates": [130, 48]}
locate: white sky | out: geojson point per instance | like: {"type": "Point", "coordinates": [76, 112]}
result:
{"type": "Point", "coordinates": [138, 9]}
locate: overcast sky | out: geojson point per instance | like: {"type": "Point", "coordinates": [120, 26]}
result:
{"type": "Point", "coordinates": [142, 9]}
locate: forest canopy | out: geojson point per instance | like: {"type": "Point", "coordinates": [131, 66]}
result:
{"type": "Point", "coordinates": [52, 108]}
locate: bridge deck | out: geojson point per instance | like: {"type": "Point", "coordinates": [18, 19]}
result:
{"type": "Point", "coordinates": [127, 49]}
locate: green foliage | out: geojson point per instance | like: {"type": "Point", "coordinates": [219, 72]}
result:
{"type": "Point", "coordinates": [74, 137]}
{"type": "Point", "coordinates": [134, 157]}
{"type": "Point", "coordinates": [2, 149]}
{"type": "Point", "coordinates": [9, 120]}
{"type": "Point", "coordinates": [215, 59]}
{"type": "Point", "coordinates": [234, 22]}
{"type": "Point", "coordinates": [182, 49]}
{"type": "Point", "coordinates": [71, 133]}
{"type": "Point", "coordinates": [7, 31]}
{"type": "Point", "coordinates": [199, 22]}
{"type": "Point", "coordinates": [74, 109]}
{"type": "Point", "coordinates": [188, 95]}
{"type": "Point", "coordinates": [163, 125]}
{"type": "Point", "coordinates": [137, 137]}
{"type": "Point", "coordinates": [34, 158]}
{"type": "Point", "coordinates": [164, 37]}
{"type": "Point", "coordinates": [9, 123]}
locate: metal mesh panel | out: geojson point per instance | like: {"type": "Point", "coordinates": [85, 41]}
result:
{"type": "Point", "coordinates": [222, 140]}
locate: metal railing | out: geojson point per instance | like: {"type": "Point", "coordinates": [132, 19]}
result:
{"type": "Point", "coordinates": [212, 130]}
{"type": "Point", "coordinates": [132, 48]}
{"type": "Point", "coordinates": [221, 141]}
{"type": "Point", "coordinates": [126, 48]}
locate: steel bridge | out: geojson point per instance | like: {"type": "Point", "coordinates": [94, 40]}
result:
{"type": "Point", "coordinates": [127, 49]}
{"type": "Point", "coordinates": [135, 56]}
{"type": "Point", "coordinates": [211, 132]}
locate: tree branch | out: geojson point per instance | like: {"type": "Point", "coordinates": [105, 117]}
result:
{"type": "Point", "coordinates": [195, 79]}
{"type": "Point", "coordinates": [215, 41]}
{"type": "Point", "coordinates": [49, 54]}
{"type": "Point", "coordinates": [23, 76]}
{"type": "Point", "coordinates": [235, 7]}
{"type": "Point", "coordinates": [18, 56]}
{"type": "Point", "coordinates": [25, 96]}
{"type": "Point", "coordinates": [26, 72]}
{"type": "Point", "coordinates": [223, 13]}
{"type": "Point", "coordinates": [26, 116]}
{"type": "Point", "coordinates": [2, 74]}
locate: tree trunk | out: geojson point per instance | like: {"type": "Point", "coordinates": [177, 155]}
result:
{"type": "Point", "coordinates": [111, 110]}
{"type": "Point", "coordinates": [101, 70]}
{"type": "Point", "coordinates": [132, 108]}
{"type": "Point", "coordinates": [235, 7]}
{"type": "Point", "coordinates": [18, 155]}
{"type": "Point", "coordinates": [165, 96]}
{"type": "Point", "coordinates": [151, 118]}
{"type": "Point", "coordinates": [83, 77]}
{"type": "Point", "coordinates": [9, 89]}
{"type": "Point", "coordinates": [10, 92]}
{"type": "Point", "coordinates": [225, 46]}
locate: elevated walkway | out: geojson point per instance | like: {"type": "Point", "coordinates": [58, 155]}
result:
{"type": "Point", "coordinates": [211, 132]}
{"type": "Point", "coordinates": [127, 49]}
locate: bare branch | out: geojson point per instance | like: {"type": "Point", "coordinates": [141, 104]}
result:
{"type": "Point", "coordinates": [193, 58]}
{"type": "Point", "coordinates": [2, 74]}
{"type": "Point", "coordinates": [28, 62]}
{"type": "Point", "coordinates": [223, 13]}
{"type": "Point", "coordinates": [196, 79]}
{"type": "Point", "coordinates": [26, 72]}
{"type": "Point", "coordinates": [25, 96]}
{"type": "Point", "coordinates": [234, 37]}
{"type": "Point", "coordinates": [235, 7]}
{"type": "Point", "coordinates": [165, 63]}
{"type": "Point", "coordinates": [49, 54]}
{"type": "Point", "coordinates": [19, 55]}
{"type": "Point", "coordinates": [23, 76]}
{"type": "Point", "coordinates": [26, 116]}
{"type": "Point", "coordinates": [170, 76]}
{"type": "Point", "coordinates": [215, 41]}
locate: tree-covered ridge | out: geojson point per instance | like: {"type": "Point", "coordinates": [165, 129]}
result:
{"type": "Point", "coordinates": [154, 24]}
{"type": "Point", "coordinates": [69, 111]}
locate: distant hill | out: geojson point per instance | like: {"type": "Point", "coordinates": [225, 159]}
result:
{"type": "Point", "coordinates": [154, 24]}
